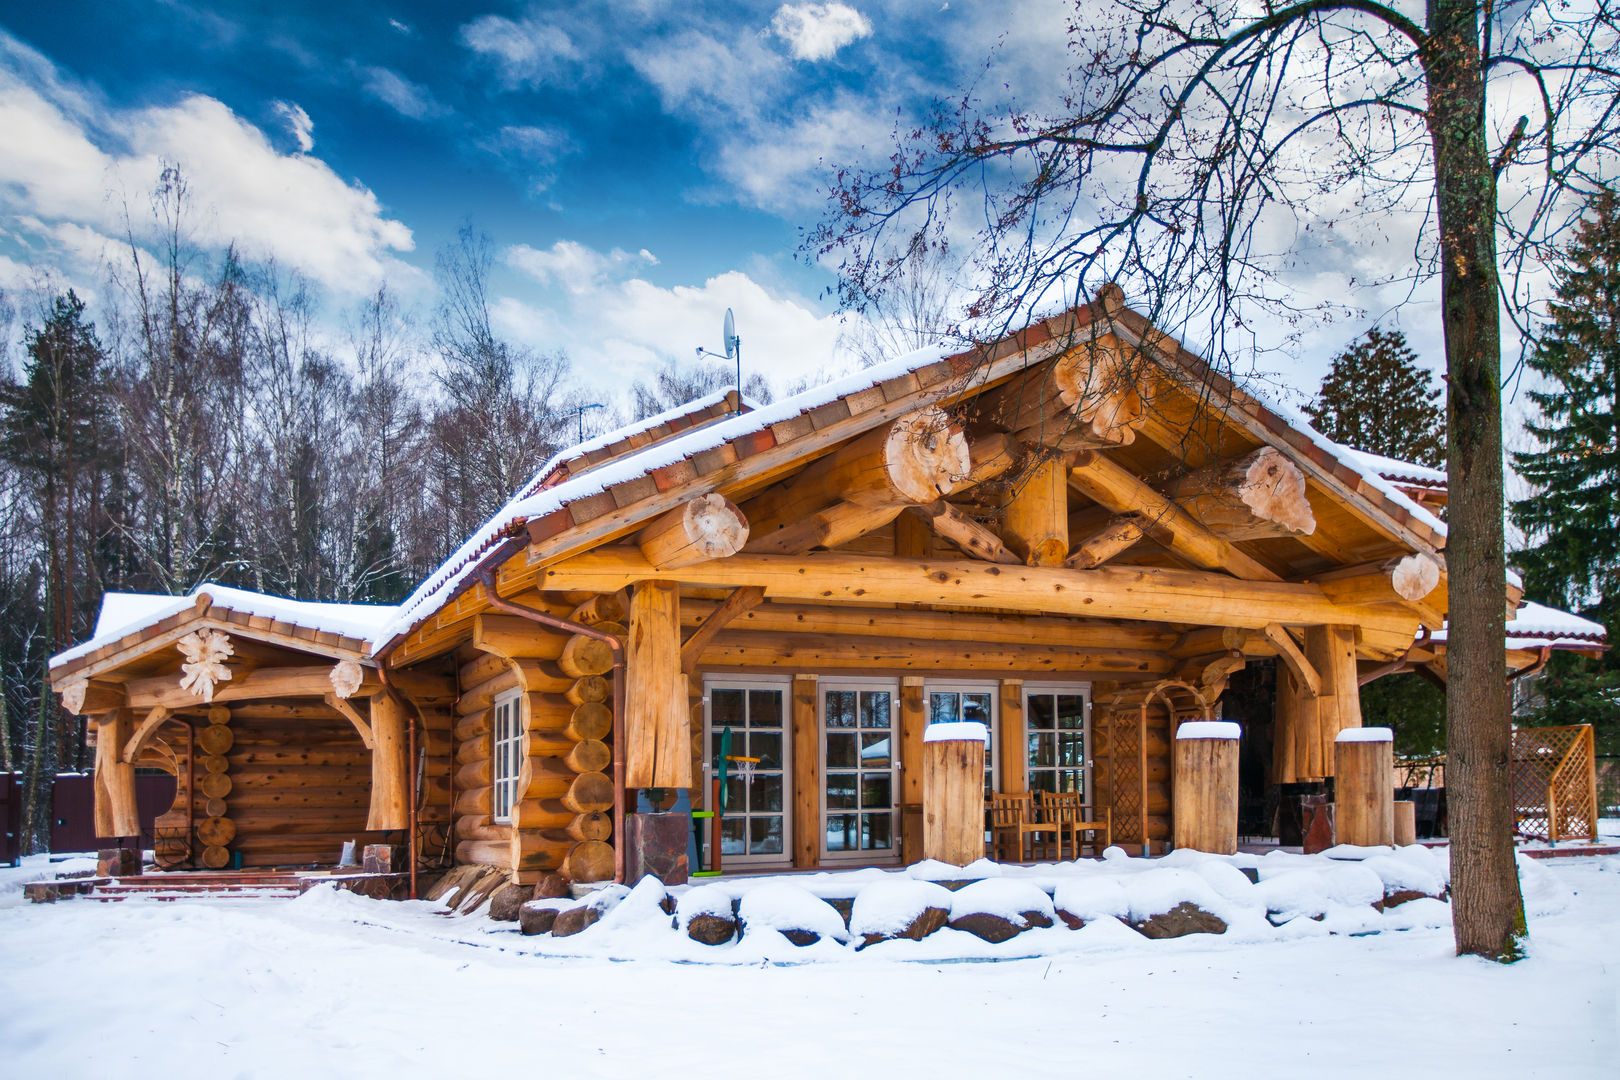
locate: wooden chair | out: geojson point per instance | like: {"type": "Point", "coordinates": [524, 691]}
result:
{"type": "Point", "coordinates": [1012, 818]}
{"type": "Point", "coordinates": [1073, 817]}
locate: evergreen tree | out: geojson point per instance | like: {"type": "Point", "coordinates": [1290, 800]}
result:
{"type": "Point", "coordinates": [1376, 398]}
{"type": "Point", "coordinates": [1571, 519]}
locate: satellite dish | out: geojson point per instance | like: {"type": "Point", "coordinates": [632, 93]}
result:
{"type": "Point", "coordinates": [729, 335]}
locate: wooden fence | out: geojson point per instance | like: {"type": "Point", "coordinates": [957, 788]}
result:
{"type": "Point", "coordinates": [1554, 778]}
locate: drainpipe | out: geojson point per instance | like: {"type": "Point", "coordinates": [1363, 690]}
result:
{"type": "Point", "coordinates": [1541, 662]}
{"type": "Point", "coordinates": [410, 756]}
{"type": "Point", "coordinates": [544, 618]}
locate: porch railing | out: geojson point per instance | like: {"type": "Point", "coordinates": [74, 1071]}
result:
{"type": "Point", "coordinates": [1554, 778]}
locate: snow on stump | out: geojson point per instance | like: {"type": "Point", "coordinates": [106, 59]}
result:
{"type": "Point", "coordinates": [1206, 786]}
{"type": "Point", "coordinates": [887, 910]}
{"type": "Point", "coordinates": [505, 901]}
{"type": "Point", "coordinates": [1364, 787]}
{"type": "Point", "coordinates": [953, 792]}
{"type": "Point", "coordinates": [997, 909]}
{"type": "Point", "coordinates": [538, 916]}
{"type": "Point", "coordinates": [705, 915]}
{"type": "Point", "coordinates": [797, 914]}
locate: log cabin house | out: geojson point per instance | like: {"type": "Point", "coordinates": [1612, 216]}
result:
{"type": "Point", "coordinates": [1078, 535]}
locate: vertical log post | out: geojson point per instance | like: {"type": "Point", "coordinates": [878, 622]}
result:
{"type": "Point", "coordinates": [658, 742]}
{"type": "Point", "coordinates": [1332, 652]}
{"type": "Point", "coordinates": [1405, 823]}
{"type": "Point", "coordinates": [1364, 787]}
{"type": "Point", "coordinates": [1206, 786]}
{"type": "Point", "coordinates": [390, 765]}
{"type": "Point", "coordinates": [1036, 526]}
{"type": "Point", "coordinates": [953, 792]}
{"type": "Point", "coordinates": [114, 809]}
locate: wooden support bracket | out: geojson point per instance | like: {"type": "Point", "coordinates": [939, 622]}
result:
{"type": "Point", "coordinates": [1291, 655]}
{"type": "Point", "coordinates": [740, 600]}
{"type": "Point", "coordinates": [148, 727]}
{"type": "Point", "coordinates": [349, 713]}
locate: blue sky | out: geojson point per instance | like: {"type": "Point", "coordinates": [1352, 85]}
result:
{"type": "Point", "coordinates": [641, 165]}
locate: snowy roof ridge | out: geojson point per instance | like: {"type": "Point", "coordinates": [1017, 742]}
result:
{"type": "Point", "coordinates": [1396, 469]}
{"type": "Point", "coordinates": [123, 614]}
{"type": "Point", "coordinates": [1536, 625]}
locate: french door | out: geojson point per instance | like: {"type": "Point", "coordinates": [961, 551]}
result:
{"type": "Point", "coordinates": [860, 731]}
{"type": "Point", "coordinates": [756, 825]}
{"type": "Point", "coordinates": [1057, 727]}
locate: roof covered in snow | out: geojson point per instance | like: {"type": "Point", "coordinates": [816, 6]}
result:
{"type": "Point", "coordinates": [1538, 626]}
{"type": "Point", "coordinates": [1395, 469]}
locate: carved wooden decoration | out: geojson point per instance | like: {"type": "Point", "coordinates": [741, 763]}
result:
{"type": "Point", "coordinates": [205, 652]}
{"type": "Point", "coordinates": [73, 695]}
{"type": "Point", "coordinates": [346, 678]}
{"type": "Point", "coordinates": [1100, 385]}
{"type": "Point", "coordinates": [1415, 576]}
{"type": "Point", "coordinates": [1261, 494]}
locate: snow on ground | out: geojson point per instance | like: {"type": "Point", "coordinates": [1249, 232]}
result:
{"type": "Point", "coordinates": [335, 984]}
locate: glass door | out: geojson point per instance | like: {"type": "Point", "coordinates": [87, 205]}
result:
{"type": "Point", "coordinates": [860, 731]}
{"type": "Point", "coordinates": [1057, 730]}
{"type": "Point", "coordinates": [755, 825]}
{"type": "Point", "coordinates": [950, 703]}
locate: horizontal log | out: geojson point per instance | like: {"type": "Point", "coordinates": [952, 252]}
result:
{"type": "Point", "coordinates": [513, 637]}
{"type": "Point", "coordinates": [484, 852]}
{"type": "Point", "coordinates": [478, 773]}
{"type": "Point", "coordinates": [588, 689]}
{"type": "Point", "coordinates": [273, 682]}
{"type": "Point", "coordinates": [542, 814]}
{"type": "Point", "coordinates": [583, 655]}
{"type": "Point", "coordinates": [1148, 593]}
{"type": "Point", "coordinates": [593, 826]}
{"type": "Point", "coordinates": [706, 527]}
{"type": "Point", "coordinates": [475, 801]}
{"type": "Point", "coordinates": [825, 651]}
{"type": "Point", "coordinates": [480, 697]}
{"type": "Point", "coordinates": [475, 671]}
{"type": "Point", "coordinates": [424, 687]}
{"type": "Point", "coordinates": [589, 860]}
{"type": "Point", "coordinates": [475, 726]}
{"type": "Point", "coordinates": [613, 607]}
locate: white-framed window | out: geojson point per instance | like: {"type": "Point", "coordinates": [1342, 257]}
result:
{"type": "Point", "coordinates": [860, 792]}
{"type": "Point", "coordinates": [757, 825]}
{"type": "Point", "coordinates": [1057, 729]}
{"type": "Point", "coordinates": [506, 733]}
{"type": "Point", "coordinates": [951, 702]}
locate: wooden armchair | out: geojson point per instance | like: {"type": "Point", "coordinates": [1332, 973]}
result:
{"type": "Point", "coordinates": [1073, 817]}
{"type": "Point", "coordinates": [1012, 818]}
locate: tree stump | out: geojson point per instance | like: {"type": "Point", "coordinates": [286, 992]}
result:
{"type": "Point", "coordinates": [953, 792]}
{"type": "Point", "coordinates": [1364, 787]}
{"type": "Point", "coordinates": [1206, 786]}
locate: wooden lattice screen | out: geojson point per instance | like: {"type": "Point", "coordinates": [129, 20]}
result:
{"type": "Point", "coordinates": [1127, 746]}
{"type": "Point", "coordinates": [1554, 782]}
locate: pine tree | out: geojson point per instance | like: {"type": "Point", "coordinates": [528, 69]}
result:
{"type": "Point", "coordinates": [1571, 519]}
{"type": "Point", "coordinates": [1376, 398]}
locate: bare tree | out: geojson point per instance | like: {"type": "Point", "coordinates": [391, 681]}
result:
{"type": "Point", "coordinates": [1198, 142]}
{"type": "Point", "coordinates": [675, 384]}
{"type": "Point", "coordinates": [914, 302]}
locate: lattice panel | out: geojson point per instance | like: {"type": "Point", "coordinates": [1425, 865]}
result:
{"type": "Point", "coordinates": [1554, 778]}
{"type": "Point", "coordinates": [1126, 753]}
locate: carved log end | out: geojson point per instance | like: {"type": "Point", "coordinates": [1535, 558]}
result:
{"type": "Point", "coordinates": [346, 677]}
{"type": "Point", "coordinates": [716, 527]}
{"type": "Point", "coordinates": [1274, 489]}
{"type": "Point", "coordinates": [1415, 577]}
{"type": "Point", "coordinates": [73, 695]}
{"type": "Point", "coordinates": [926, 455]}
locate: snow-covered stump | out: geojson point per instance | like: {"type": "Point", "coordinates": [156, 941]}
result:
{"type": "Point", "coordinates": [1206, 786]}
{"type": "Point", "coordinates": [1364, 787]}
{"type": "Point", "coordinates": [953, 792]}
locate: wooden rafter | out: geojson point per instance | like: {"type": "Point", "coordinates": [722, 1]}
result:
{"type": "Point", "coordinates": [740, 601]}
{"type": "Point", "coordinates": [1118, 534]}
{"type": "Point", "coordinates": [273, 682]}
{"type": "Point", "coordinates": [950, 524]}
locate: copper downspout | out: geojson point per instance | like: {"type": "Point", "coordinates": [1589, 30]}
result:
{"type": "Point", "coordinates": [1541, 662]}
{"type": "Point", "coordinates": [544, 618]}
{"type": "Point", "coordinates": [410, 757]}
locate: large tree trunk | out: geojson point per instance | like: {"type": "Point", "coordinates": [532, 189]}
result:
{"type": "Point", "coordinates": [1487, 909]}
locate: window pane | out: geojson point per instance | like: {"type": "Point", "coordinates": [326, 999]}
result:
{"type": "Point", "coordinates": [768, 748]}
{"type": "Point", "coordinates": [1071, 711]}
{"type": "Point", "coordinates": [1071, 749]}
{"type": "Point", "coordinates": [875, 709]}
{"type": "Point", "coordinates": [840, 750]}
{"type": "Point", "coordinates": [765, 835]}
{"type": "Point", "coordinates": [877, 832]}
{"type": "Point", "coordinates": [876, 792]}
{"type": "Point", "coordinates": [736, 793]}
{"type": "Point", "coordinates": [1042, 781]}
{"type": "Point", "coordinates": [840, 708]}
{"type": "Point", "coordinates": [765, 708]}
{"type": "Point", "coordinates": [1040, 750]}
{"type": "Point", "coordinates": [766, 793]}
{"type": "Point", "coordinates": [841, 791]}
{"type": "Point", "coordinates": [875, 751]}
{"type": "Point", "coordinates": [841, 832]}
{"type": "Point", "coordinates": [942, 708]}
{"type": "Point", "coordinates": [976, 707]}
{"type": "Point", "coordinates": [725, 709]}
{"type": "Point", "coordinates": [731, 835]}
{"type": "Point", "coordinates": [1039, 714]}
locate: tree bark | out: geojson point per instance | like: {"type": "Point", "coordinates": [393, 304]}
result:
{"type": "Point", "coordinates": [1487, 908]}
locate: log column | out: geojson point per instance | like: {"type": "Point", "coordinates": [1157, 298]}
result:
{"type": "Point", "coordinates": [390, 792]}
{"type": "Point", "coordinates": [114, 810]}
{"type": "Point", "coordinates": [658, 751]}
{"type": "Point", "coordinates": [1206, 786]}
{"type": "Point", "coordinates": [1364, 787]}
{"type": "Point", "coordinates": [953, 792]}
{"type": "Point", "coordinates": [1331, 650]}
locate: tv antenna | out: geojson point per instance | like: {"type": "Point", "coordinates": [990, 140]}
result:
{"type": "Point", "coordinates": [577, 411]}
{"type": "Point", "coordinates": [733, 345]}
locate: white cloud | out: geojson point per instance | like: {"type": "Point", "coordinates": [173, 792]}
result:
{"type": "Point", "coordinates": [407, 98]}
{"type": "Point", "coordinates": [67, 158]}
{"type": "Point", "coordinates": [527, 52]}
{"type": "Point", "coordinates": [818, 31]}
{"type": "Point", "coordinates": [298, 123]}
{"type": "Point", "coordinates": [619, 327]}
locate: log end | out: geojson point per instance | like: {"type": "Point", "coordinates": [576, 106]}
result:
{"type": "Point", "coordinates": [1415, 577]}
{"type": "Point", "coordinates": [926, 455]}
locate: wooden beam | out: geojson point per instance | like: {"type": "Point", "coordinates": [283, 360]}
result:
{"type": "Point", "coordinates": [827, 652]}
{"type": "Point", "coordinates": [830, 527]}
{"type": "Point", "coordinates": [740, 601]}
{"type": "Point", "coordinates": [1088, 397]}
{"type": "Point", "coordinates": [315, 682]}
{"type": "Point", "coordinates": [1410, 579]}
{"type": "Point", "coordinates": [967, 535]}
{"type": "Point", "coordinates": [658, 749]}
{"type": "Point", "coordinates": [707, 527]}
{"type": "Point", "coordinates": [1109, 483]}
{"type": "Point", "coordinates": [1291, 655]}
{"type": "Point", "coordinates": [1120, 533]}
{"type": "Point", "coordinates": [1036, 521]}
{"type": "Point", "coordinates": [390, 767]}
{"type": "Point", "coordinates": [1145, 593]}
{"type": "Point", "coordinates": [86, 697]}
{"type": "Point", "coordinates": [143, 734]}
{"type": "Point", "coordinates": [114, 807]}
{"type": "Point", "coordinates": [352, 715]}
{"type": "Point", "coordinates": [516, 638]}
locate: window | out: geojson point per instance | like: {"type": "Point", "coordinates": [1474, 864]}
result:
{"type": "Point", "coordinates": [860, 789]}
{"type": "Point", "coordinates": [507, 756]}
{"type": "Point", "coordinates": [1055, 727]}
{"type": "Point", "coordinates": [948, 705]}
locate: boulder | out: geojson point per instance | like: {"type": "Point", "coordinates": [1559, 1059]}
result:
{"type": "Point", "coordinates": [992, 928]}
{"type": "Point", "coordinates": [505, 902]}
{"type": "Point", "coordinates": [925, 922]}
{"type": "Point", "coordinates": [711, 929]}
{"type": "Point", "coordinates": [1397, 897]}
{"type": "Point", "coordinates": [537, 917]}
{"type": "Point", "coordinates": [551, 887]}
{"type": "Point", "coordinates": [1070, 919]}
{"type": "Point", "coordinates": [795, 913]}
{"type": "Point", "coordinates": [574, 920]}
{"type": "Point", "coordinates": [1183, 919]}
{"type": "Point", "coordinates": [997, 909]}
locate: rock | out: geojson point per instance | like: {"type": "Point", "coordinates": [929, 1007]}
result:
{"type": "Point", "coordinates": [505, 902]}
{"type": "Point", "coordinates": [536, 917]}
{"type": "Point", "coordinates": [1071, 920]}
{"type": "Point", "coordinates": [1397, 897]}
{"type": "Point", "coordinates": [551, 887]}
{"type": "Point", "coordinates": [571, 921]}
{"type": "Point", "coordinates": [844, 905]}
{"type": "Point", "coordinates": [927, 921]}
{"type": "Point", "coordinates": [118, 862]}
{"type": "Point", "coordinates": [1183, 919]}
{"type": "Point", "coordinates": [711, 929]}
{"type": "Point", "coordinates": [992, 928]}
{"type": "Point", "coordinates": [43, 892]}
{"type": "Point", "coordinates": [801, 938]}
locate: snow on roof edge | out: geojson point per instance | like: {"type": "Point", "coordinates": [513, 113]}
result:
{"type": "Point", "coordinates": [1536, 625]}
